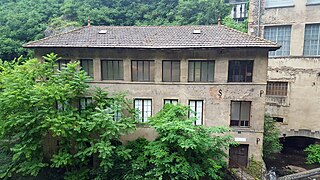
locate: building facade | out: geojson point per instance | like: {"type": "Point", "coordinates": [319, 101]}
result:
{"type": "Point", "coordinates": [220, 73]}
{"type": "Point", "coordinates": [239, 10]}
{"type": "Point", "coordinates": [293, 92]}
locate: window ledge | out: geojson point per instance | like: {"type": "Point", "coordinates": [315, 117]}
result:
{"type": "Point", "coordinates": [281, 6]}
{"type": "Point", "coordinates": [313, 4]}
{"type": "Point", "coordinates": [244, 129]}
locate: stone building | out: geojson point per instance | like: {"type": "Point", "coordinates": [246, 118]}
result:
{"type": "Point", "coordinates": [293, 91]}
{"type": "Point", "coordinates": [221, 73]}
{"type": "Point", "coordinates": [239, 10]}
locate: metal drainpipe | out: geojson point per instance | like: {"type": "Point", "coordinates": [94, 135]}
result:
{"type": "Point", "coordinates": [259, 17]}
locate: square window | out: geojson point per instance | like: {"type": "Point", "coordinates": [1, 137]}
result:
{"type": "Point", "coordinates": [170, 71]}
{"type": "Point", "coordinates": [142, 70]}
{"type": "Point", "coordinates": [62, 63]}
{"type": "Point", "coordinates": [201, 71]}
{"type": "Point", "coordinates": [112, 69]}
{"type": "Point", "coordinates": [240, 71]}
{"type": "Point", "coordinates": [171, 101]}
{"type": "Point", "coordinates": [278, 3]}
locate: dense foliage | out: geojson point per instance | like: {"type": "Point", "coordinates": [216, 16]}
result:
{"type": "Point", "coordinates": [313, 152]}
{"type": "Point", "coordinates": [40, 106]}
{"type": "Point", "coordinates": [271, 143]}
{"type": "Point", "coordinates": [182, 150]}
{"type": "Point", "coordinates": [24, 20]}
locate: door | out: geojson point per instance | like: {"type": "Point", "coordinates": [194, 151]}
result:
{"type": "Point", "coordinates": [238, 156]}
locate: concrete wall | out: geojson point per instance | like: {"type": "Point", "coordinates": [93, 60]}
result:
{"type": "Point", "coordinates": [216, 108]}
{"type": "Point", "coordinates": [300, 109]}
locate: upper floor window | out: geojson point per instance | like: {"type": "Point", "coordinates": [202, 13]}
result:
{"type": "Point", "coordinates": [277, 88]}
{"type": "Point", "coordinates": [201, 71]}
{"type": "Point", "coordinates": [240, 71]}
{"type": "Point", "coordinates": [280, 35]}
{"type": "Point", "coordinates": [170, 71]}
{"type": "Point", "coordinates": [112, 69]}
{"type": "Point", "coordinates": [197, 107]}
{"type": "Point", "coordinates": [313, 2]}
{"type": "Point", "coordinates": [171, 101]}
{"type": "Point", "coordinates": [278, 3]}
{"type": "Point", "coordinates": [145, 108]}
{"type": "Point", "coordinates": [240, 113]}
{"type": "Point", "coordinates": [142, 70]}
{"type": "Point", "coordinates": [312, 40]}
{"type": "Point", "coordinates": [62, 63]}
{"type": "Point", "coordinates": [87, 65]}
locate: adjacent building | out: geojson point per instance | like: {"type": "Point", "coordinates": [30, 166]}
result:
{"type": "Point", "coordinates": [293, 91]}
{"type": "Point", "coordinates": [239, 10]}
{"type": "Point", "coordinates": [219, 72]}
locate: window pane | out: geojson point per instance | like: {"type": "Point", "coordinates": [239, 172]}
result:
{"type": "Point", "coordinates": [240, 71]}
{"type": "Point", "coordinates": [235, 110]}
{"type": "Point", "coordinates": [142, 70]}
{"type": "Point", "coordinates": [191, 71]}
{"type": "Point", "coordinates": [201, 71]}
{"type": "Point", "coordinates": [87, 65]}
{"type": "Point", "coordinates": [245, 111]}
{"type": "Point", "coordinates": [279, 3]}
{"type": "Point", "coordinates": [312, 40]}
{"type": "Point", "coordinates": [175, 71]}
{"type": "Point", "coordinates": [199, 113]}
{"type": "Point", "coordinates": [197, 71]}
{"type": "Point", "coordinates": [134, 70]}
{"type": "Point", "coordinates": [166, 71]}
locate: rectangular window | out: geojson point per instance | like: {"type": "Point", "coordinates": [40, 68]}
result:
{"type": "Point", "coordinates": [313, 2]}
{"type": "Point", "coordinates": [280, 35]}
{"type": "Point", "coordinates": [201, 71]}
{"type": "Point", "coordinates": [278, 3]}
{"type": "Point", "coordinates": [145, 108]}
{"type": "Point", "coordinates": [112, 69]}
{"type": "Point", "coordinates": [197, 107]}
{"type": "Point", "coordinates": [240, 71]}
{"type": "Point", "coordinates": [240, 113]}
{"type": "Point", "coordinates": [171, 101]}
{"type": "Point", "coordinates": [87, 65]}
{"type": "Point", "coordinates": [170, 71]}
{"type": "Point", "coordinates": [142, 70]}
{"type": "Point", "coordinates": [277, 88]}
{"type": "Point", "coordinates": [62, 63]}
{"type": "Point", "coordinates": [84, 102]}
{"type": "Point", "coordinates": [312, 40]}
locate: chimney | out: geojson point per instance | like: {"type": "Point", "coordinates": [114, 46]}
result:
{"type": "Point", "coordinates": [219, 21]}
{"type": "Point", "coordinates": [89, 23]}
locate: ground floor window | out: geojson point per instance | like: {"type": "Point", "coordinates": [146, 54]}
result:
{"type": "Point", "coordinates": [197, 108]}
{"type": "Point", "coordinates": [144, 106]}
{"type": "Point", "coordinates": [238, 156]}
{"type": "Point", "coordinates": [171, 101]}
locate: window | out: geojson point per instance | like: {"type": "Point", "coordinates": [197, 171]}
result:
{"type": "Point", "coordinates": [62, 63]}
{"type": "Point", "coordinates": [277, 88]}
{"type": "Point", "coordinates": [171, 101]}
{"type": "Point", "coordinates": [280, 35]}
{"type": "Point", "coordinates": [240, 113]}
{"type": "Point", "coordinates": [84, 102]}
{"type": "Point", "coordinates": [142, 70]}
{"type": "Point", "coordinates": [278, 119]}
{"type": "Point", "coordinates": [144, 106]}
{"type": "Point", "coordinates": [197, 108]}
{"type": "Point", "coordinates": [278, 3]}
{"type": "Point", "coordinates": [112, 69]}
{"type": "Point", "coordinates": [171, 71]}
{"type": "Point", "coordinates": [87, 65]}
{"type": "Point", "coordinates": [240, 71]}
{"type": "Point", "coordinates": [201, 71]}
{"type": "Point", "coordinates": [312, 40]}
{"type": "Point", "coordinates": [313, 1]}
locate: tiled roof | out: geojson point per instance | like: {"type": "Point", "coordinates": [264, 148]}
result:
{"type": "Point", "coordinates": [153, 37]}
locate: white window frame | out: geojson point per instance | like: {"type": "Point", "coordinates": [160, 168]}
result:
{"type": "Point", "coordinates": [196, 107]}
{"type": "Point", "coordinates": [278, 3]}
{"type": "Point", "coordinates": [170, 101]}
{"type": "Point", "coordinates": [313, 2]}
{"type": "Point", "coordinates": [144, 106]}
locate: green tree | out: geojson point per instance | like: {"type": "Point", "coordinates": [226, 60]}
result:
{"type": "Point", "coordinates": [39, 102]}
{"type": "Point", "coordinates": [313, 152]}
{"type": "Point", "coordinates": [271, 143]}
{"type": "Point", "coordinates": [181, 151]}
{"type": "Point", "coordinates": [240, 26]}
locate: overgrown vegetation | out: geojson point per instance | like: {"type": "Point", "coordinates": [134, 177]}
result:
{"type": "Point", "coordinates": [255, 168]}
{"type": "Point", "coordinates": [47, 128]}
{"type": "Point", "coordinates": [313, 152]}
{"type": "Point", "coordinates": [24, 20]}
{"type": "Point", "coordinates": [240, 26]}
{"type": "Point", "coordinates": [271, 143]}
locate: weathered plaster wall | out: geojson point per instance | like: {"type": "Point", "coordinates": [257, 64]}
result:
{"type": "Point", "coordinates": [216, 108]}
{"type": "Point", "coordinates": [300, 109]}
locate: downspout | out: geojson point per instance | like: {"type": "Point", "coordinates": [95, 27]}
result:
{"type": "Point", "coordinates": [259, 17]}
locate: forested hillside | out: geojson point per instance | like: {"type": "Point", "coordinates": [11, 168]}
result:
{"type": "Point", "coordinates": [27, 20]}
